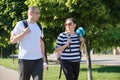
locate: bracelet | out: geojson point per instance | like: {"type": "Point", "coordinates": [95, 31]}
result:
{"type": "Point", "coordinates": [44, 64]}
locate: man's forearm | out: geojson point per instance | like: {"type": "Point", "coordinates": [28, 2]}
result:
{"type": "Point", "coordinates": [16, 38]}
{"type": "Point", "coordinates": [43, 50]}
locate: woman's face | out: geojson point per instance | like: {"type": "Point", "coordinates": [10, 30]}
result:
{"type": "Point", "coordinates": [70, 25]}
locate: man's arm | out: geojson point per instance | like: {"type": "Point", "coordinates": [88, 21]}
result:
{"type": "Point", "coordinates": [43, 50]}
{"type": "Point", "coordinates": [16, 38]}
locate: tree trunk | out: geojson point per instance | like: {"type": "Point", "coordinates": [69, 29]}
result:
{"type": "Point", "coordinates": [1, 52]}
{"type": "Point", "coordinates": [116, 51]}
{"type": "Point", "coordinates": [88, 61]}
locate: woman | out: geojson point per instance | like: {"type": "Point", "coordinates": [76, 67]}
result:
{"type": "Point", "coordinates": [68, 46]}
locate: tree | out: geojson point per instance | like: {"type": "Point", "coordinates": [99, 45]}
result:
{"type": "Point", "coordinates": [11, 12]}
{"type": "Point", "coordinates": [95, 16]}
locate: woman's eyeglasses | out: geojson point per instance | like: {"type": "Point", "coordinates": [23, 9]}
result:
{"type": "Point", "coordinates": [68, 24]}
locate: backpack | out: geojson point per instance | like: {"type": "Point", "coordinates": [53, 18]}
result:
{"type": "Point", "coordinates": [26, 25]}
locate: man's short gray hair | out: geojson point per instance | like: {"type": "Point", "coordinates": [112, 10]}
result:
{"type": "Point", "coordinates": [32, 8]}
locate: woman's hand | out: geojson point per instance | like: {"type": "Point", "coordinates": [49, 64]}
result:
{"type": "Point", "coordinates": [61, 48]}
{"type": "Point", "coordinates": [68, 42]}
{"type": "Point", "coordinates": [82, 39]}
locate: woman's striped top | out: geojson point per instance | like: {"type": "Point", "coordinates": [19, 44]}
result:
{"type": "Point", "coordinates": [71, 53]}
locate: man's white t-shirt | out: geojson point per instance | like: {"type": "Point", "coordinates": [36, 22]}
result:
{"type": "Point", "coordinates": [29, 46]}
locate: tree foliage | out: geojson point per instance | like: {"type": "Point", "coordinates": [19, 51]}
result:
{"type": "Point", "coordinates": [10, 12]}
{"type": "Point", "coordinates": [100, 18]}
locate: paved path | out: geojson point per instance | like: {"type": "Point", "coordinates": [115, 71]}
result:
{"type": "Point", "coordinates": [8, 74]}
{"type": "Point", "coordinates": [104, 59]}
{"type": "Point", "coordinates": [97, 59]}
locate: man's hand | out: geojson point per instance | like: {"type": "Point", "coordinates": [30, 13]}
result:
{"type": "Point", "coordinates": [17, 38]}
{"type": "Point", "coordinates": [45, 66]}
{"type": "Point", "coordinates": [26, 31]}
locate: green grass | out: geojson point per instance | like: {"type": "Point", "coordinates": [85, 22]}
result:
{"type": "Point", "coordinates": [99, 72]}
{"type": "Point", "coordinates": [10, 63]}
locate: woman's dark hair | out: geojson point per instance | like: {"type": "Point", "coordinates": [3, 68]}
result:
{"type": "Point", "coordinates": [73, 20]}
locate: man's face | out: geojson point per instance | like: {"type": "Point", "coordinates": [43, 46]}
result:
{"type": "Point", "coordinates": [35, 14]}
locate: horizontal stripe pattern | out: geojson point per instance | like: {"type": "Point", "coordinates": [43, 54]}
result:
{"type": "Point", "coordinates": [71, 53]}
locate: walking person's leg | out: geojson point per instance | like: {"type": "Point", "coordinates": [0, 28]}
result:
{"type": "Point", "coordinates": [76, 69]}
{"type": "Point", "coordinates": [67, 69]}
{"type": "Point", "coordinates": [25, 69]}
{"type": "Point", "coordinates": [37, 72]}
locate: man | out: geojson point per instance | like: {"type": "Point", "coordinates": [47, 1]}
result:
{"type": "Point", "coordinates": [31, 46]}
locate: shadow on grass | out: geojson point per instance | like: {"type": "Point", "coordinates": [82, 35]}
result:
{"type": "Point", "coordinates": [114, 69]}
{"type": "Point", "coordinates": [101, 68]}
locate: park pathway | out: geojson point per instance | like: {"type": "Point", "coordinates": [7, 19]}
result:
{"type": "Point", "coordinates": [8, 74]}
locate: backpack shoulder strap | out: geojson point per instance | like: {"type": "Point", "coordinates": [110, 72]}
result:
{"type": "Point", "coordinates": [25, 23]}
{"type": "Point", "coordinates": [39, 26]}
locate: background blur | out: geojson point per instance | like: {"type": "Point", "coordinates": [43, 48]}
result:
{"type": "Point", "coordinates": [99, 18]}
